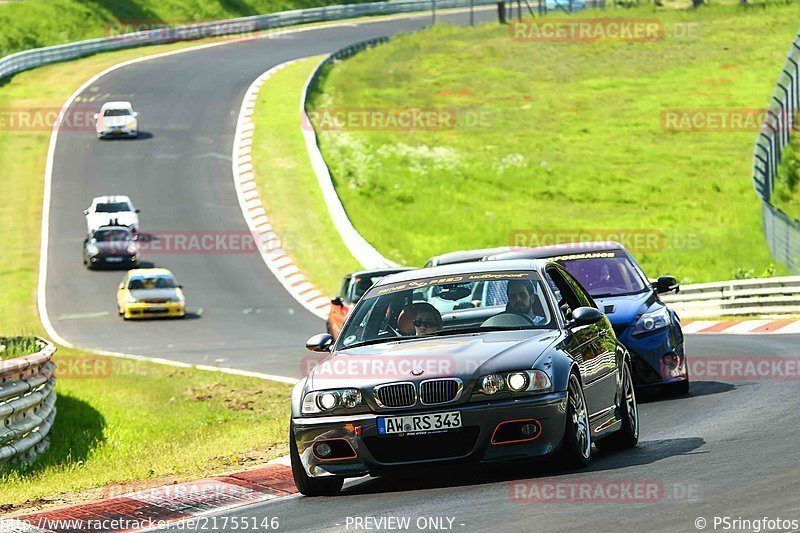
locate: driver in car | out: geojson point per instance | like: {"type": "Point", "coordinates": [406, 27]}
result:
{"type": "Point", "coordinates": [522, 301]}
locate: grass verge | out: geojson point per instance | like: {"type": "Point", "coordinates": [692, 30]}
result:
{"type": "Point", "coordinates": [128, 425]}
{"type": "Point", "coordinates": [563, 137]}
{"type": "Point", "coordinates": [36, 23]}
{"type": "Point", "coordinates": [288, 185]}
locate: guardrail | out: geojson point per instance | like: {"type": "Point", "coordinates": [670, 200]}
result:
{"type": "Point", "coordinates": [28, 59]}
{"type": "Point", "coordinates": [781, 231]}
{"type": "Point", "coordinates": [763, 296]}
{"type": "Point", "coordinates": [27, 401]}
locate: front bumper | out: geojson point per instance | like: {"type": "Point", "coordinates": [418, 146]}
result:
{"type": "Point", "coordinates": [123, 132]}
{"type": "Point", "coordinates": [650, 369]}
{"type": "Point", "coordinates": [371, 453]}
{"type": "Point", "coordinates": [154, 310]}
{"type": "Point", "coordinates": [112, 261]}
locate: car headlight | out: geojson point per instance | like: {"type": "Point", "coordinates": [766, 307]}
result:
{"type": "Point", "coordinates": [176, 299]}
{"type": "Point", "coordinates": [92, 249]}
{"type": "Point", "coordinates": [132, 249]}
{"type": "Point", "coordinates": [653, 321]}
{"type": "Point", "coordinates": [131, 125]}
{"type": "Point", "coordinates": [130, 299]}
{"type": "Point", "coordinates": [327, 400]}
{"type": "Point", "coordinates": [521, 381]}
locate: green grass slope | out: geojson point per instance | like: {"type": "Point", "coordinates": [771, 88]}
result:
{"type": "Point", "coordinates": [563, 136]}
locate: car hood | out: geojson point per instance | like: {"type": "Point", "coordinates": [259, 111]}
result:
{"type": "Point", "coordinates": [122, 218]}
{"type": "Point", "coordinates": [624, 310]}
{"type": "Point", "coordinates": [116, 122]}
{"type": "Point", "coordinates": [154, 294]}
{"type": "Point", "coordinates": [464, 356]}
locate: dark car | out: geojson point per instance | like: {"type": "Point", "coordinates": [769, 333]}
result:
{"type": "Point", "coordinates": [111, 246]}
{"type": "Point", "coordinates": [645, 325]}
{"type": "Point", "coordinates": [465, 256]}
{"type": "Point", "coordinates": [354, 285]}
{"type": "Point", "coordinates": [406, 384]}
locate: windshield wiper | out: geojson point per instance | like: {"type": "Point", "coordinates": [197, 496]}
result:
{"type": "Point", "coordinates": [372, 341]}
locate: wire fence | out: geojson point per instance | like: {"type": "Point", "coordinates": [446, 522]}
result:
{"type": "Point", "coordinates": [782, 232]}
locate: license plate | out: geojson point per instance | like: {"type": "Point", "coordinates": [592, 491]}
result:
{"type": "Point", "coordinates": [388, 425]}
{"type": "Point", "coordinates": [113, 260]}
{"type": "Point", "coordinates": [116, 131]}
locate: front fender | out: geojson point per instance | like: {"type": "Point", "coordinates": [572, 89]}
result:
{"type": "Point", "coordinates": [298, 392]}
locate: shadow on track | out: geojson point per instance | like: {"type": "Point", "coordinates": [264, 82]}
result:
{"type": "Point", "coordinates": [465, 475]}
{"type": "Point", "coordinates": [697, 389]}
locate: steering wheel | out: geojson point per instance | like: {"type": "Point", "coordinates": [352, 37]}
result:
{"type": "Point", "coordinates": [506, 318]}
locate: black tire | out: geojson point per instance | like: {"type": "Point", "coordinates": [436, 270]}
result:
{"type": "Point", "coordinates": [307, 485]}
{"type": "Point", "coordinates": [576, 445]}
{"type": "Point", "coordinates": [626, 436]}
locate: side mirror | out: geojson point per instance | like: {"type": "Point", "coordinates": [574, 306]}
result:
{"type": "Point", "coordinates": [180, 287]}
{"type": "Point", "coordinates": [135, 114]}
{"type": "Point", "coordinates": [585, 316]}
{"type": "Point", "coordinates": [137, 211]}
{"type": "Point", "coordinates": [666, 284]}
{"type": "Point", "coordinates": [96, 116]}
{"type": "Point", "coordinates": [321, 342]}
{"type": "Point", "coordinates": [337, 301]}
{"type": "Point", "coordinates": [85, 211]}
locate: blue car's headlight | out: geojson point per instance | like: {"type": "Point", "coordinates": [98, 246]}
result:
{"type": "Point", "coordinates": [653, 321]}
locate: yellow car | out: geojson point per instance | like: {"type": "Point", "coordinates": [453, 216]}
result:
{"type": "Point", "coordinates": [150, 292]}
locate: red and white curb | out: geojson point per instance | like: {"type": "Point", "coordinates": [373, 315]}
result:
{"type": "Point", "coordinates": [743, 327]}
{"type": "Point", "coordinates": [275, 257]}
{"type": "Point", "coordinates": [158, 507]}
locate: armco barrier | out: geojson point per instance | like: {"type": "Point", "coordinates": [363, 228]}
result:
{"type": "Point", "coordinates": [28, 59]}
{"type": "Point", "coordinates": [27, 401]}
{"type": "Point", "coordinates": [782, 232]}
{"type": "Point", "coordinates": [766, 296]}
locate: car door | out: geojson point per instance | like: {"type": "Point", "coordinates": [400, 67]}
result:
{"type": "Point", "coordinates": [583, 342]}
{"type": "Point", "coordinates": [121, 293]}
{"type": "Point", "coordinates": [604, 369]}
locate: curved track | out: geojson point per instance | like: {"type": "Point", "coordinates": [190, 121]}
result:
{"type": "Point", "coordinates": [727, 449]}
{"type": "Point", "coordinates": [179, 174]}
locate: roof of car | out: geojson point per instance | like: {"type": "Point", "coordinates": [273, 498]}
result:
{"type": "Point", "coordinates": [110, 199]}
{"type": "Point", "coordinates": [465, 256]}
{"type": "Point", "coordinates": [121, 104]}
{"type": "Point", "coordinates": [379, 271]}
{"type": "Point", "coordinates": [464, 268]}
{"type": "Point", "coordinates": [543, 252]}
{"type": "Point", "coordinates": [149, 272]}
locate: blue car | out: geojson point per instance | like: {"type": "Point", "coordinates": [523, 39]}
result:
{"type": "Point", "coordinates": [643, 323]}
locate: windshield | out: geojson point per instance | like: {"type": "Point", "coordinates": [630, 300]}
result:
{"type": "Point", "coordinates": [362, 283]}
{"type": "Point", "coordinates": [113, 207]}
{"type": "Point", "coordinates": [152, 282]}
{"type": "Point", "coordinates": [116, 112]}
{"type": "Point", "coordinates": [463, 303]}
{"type": "Point", "coordinates": [603, 273]}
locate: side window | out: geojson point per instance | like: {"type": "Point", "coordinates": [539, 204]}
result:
{"type": "Point", "coordinates": [568, 301]}
{"type": "Point", "coordinates": [582, 295]}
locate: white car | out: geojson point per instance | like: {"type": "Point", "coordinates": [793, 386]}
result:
{"type": "Point", "coordinates": [117, 119]}
{"type": "Point", "coordinates": [111, 211]}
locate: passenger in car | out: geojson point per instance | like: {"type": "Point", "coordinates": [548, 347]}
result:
{"type": "Point", "coordinates": [420, 318]}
